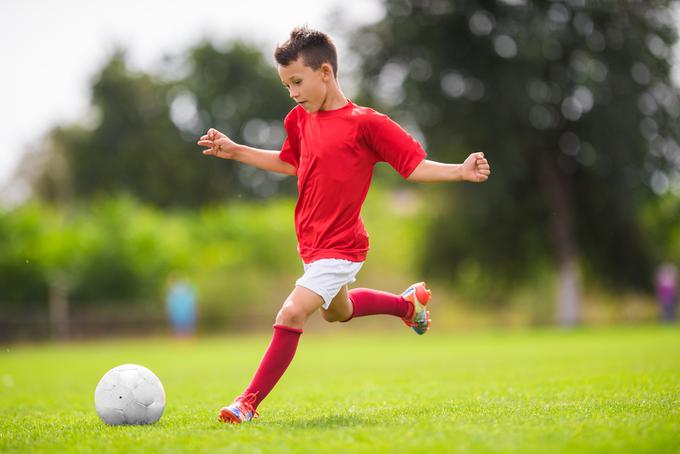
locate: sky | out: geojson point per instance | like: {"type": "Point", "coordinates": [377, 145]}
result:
{"type": "Point", "coordinates": [50, 50]}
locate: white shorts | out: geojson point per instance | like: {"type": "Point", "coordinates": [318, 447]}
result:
{"type": "Point", "coordinates": [326, 277]}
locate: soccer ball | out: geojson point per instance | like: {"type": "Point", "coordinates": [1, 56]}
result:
{"type": "Point", "coordinates": [129, 394]}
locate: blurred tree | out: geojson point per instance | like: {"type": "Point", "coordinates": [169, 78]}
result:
{"type": "Point", "coordinates": [572, 103]}
{"type": "Point", "coordinates": [61, 246]}
{"type": "Point", "coordinates": [237, 91]}
{"type": "Point", "coordinates": [21, 275]}
{"type": "Point", "coordinates": [141, 134]}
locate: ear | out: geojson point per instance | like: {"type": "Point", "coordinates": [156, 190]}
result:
{"type": "Point", "coordinates": [326, 71]}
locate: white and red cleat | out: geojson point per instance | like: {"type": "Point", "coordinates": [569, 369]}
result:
{"type": "Point", "coordinates": [239, 411]}
{"type": "Point", "coordinates": [418, 295]}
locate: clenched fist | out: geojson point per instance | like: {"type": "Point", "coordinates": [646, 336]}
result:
{"type": "Point", "coordinates": [476, 168]}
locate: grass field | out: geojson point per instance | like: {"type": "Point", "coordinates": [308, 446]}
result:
{"type": "Point", "coordinates": [586, 390]}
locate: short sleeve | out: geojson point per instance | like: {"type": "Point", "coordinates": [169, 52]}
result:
{"type": "Point", "coordinates": [290, 151]}
{"type": "Point", "coordinates": [392, 144]}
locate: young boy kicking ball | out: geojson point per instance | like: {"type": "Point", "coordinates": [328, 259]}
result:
{"type": "Point", "coordinates": [331, 146]}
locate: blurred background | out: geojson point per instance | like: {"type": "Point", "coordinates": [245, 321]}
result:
{"type": "Point", "coordinates": [113, 223]}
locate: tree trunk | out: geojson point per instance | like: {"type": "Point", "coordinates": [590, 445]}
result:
{"type": "Point", "coordinates": [558, 197]}
{"type": "Point", "coordinates": [58, 307]}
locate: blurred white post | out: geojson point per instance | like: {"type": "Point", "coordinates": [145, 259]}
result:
{"type": "Point", "coordinates": [557, 194]}
{"type": "Point", "coordinates": [58, 306]}
{"type": "Point", "coordinates": [569, 293]}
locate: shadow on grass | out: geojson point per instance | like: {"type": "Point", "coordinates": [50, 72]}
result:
{"type": "Point", "coordinates": [375, 417]}
{"type": "Point", "coordinates": [322, 421]}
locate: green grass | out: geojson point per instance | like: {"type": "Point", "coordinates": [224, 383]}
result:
{"type": "Point", "coordinates": [605, 390]}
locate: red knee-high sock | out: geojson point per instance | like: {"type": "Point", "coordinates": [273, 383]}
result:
{"type": "Point", "coordinates": [275, 361]}
{"type": "Point", "coordinates": [372, 302]}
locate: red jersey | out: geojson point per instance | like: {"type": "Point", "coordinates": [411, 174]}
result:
{"type": "Point", "coordinates": [334, 152]}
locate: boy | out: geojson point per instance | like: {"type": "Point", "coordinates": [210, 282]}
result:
{"type": "Point", "coordinates": [331, 146]}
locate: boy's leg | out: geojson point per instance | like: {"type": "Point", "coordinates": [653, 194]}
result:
{"type": "Point", "coordinates": [299, 305]}
{"type": "Point", "coordinates": [340, 309]}
{"type": "Point", "coordinates": [297, 308]}
{"type": "Point", "coordinates": [360, 302]}
{"type": "Point", "coordinates": [410, 306]}
{"type": "Point", "coordinates": [366, 301]}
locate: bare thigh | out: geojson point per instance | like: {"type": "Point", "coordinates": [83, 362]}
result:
{"type": "Point", "coordinates": [340, 308]}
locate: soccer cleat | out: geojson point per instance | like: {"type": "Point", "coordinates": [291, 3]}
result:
{"type": "Point", "coordinates": [419, 296]}
{"type": "Point", "coordinates": [239, 411]}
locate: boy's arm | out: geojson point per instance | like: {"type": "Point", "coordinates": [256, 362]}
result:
{"type": "Point", "coordinates": [475, 169]}
{"type": "Point", "coordinates": [221, 146]}
{"type": "Point", "coordinates": [262, 159]}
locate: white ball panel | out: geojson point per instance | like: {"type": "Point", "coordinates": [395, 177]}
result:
{"type": "Point", "coordinates": [111, 416]}
{"type": "Point", "coordinates": [135, 413]}
{"type": "Point", "coordinates": [128, 378]}
{"type": "Point", "coordinates": [145, 393]}
{"type": "Point", "coordinates": [155, 411]}
{"type": "Point", "coordinates": [116, 397]}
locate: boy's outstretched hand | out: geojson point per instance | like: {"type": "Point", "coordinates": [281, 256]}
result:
{"type": "Point", "coordinates": [475, 168]}
{"type": "Point", "coordinates": [218, 144]}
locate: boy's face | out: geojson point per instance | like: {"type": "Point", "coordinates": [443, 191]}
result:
{"type": "Point", "coordinates": [308, 87]}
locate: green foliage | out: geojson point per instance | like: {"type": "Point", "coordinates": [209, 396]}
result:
{"type": "Point", "coordinates": [582, 391]}
{"type": "Point", "coordinates": [241, 255]}
{"type": "Point", "coordinates": [142, 132]}
{"type": "Point", "coordinates": [21, 277]}
{"type": "Point", "coordinates": [660, 220]}
{"type": "Point", "coordinates": [128, 260]}
{"type": "Point", "coordinates": [115, 249]}
{"type": "Point", "coordinates": [571, 102]}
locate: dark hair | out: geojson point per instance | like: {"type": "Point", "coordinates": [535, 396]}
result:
{"type": "Point", "coordinates": [315, 47]}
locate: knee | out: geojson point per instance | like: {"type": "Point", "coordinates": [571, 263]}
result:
{"type": "Point", "coordinates": [291, 315]}
{"type": "Point", "coordinates": [330, 317]}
